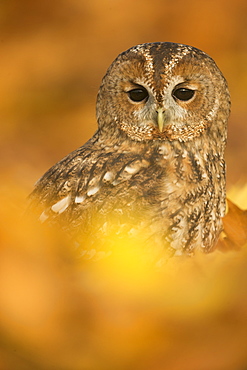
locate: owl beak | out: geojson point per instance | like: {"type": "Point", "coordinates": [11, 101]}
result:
{"type": "Point", "coordinates": [160, 119]}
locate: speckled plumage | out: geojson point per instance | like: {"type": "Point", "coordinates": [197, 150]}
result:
{"type": "Point", "coordinates": [155, 167]}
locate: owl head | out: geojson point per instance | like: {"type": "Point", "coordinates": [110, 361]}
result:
{"type": "Point", "coordinates": [163, 91]}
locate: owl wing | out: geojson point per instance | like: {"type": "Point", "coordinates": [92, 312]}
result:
{"type": "Point", "coordinates": [86, 178]}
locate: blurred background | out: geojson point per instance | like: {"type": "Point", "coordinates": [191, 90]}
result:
{"type": "Point", "coordinates": [55, 314]}
{"type": "Point", "coordinates": [54, 54]}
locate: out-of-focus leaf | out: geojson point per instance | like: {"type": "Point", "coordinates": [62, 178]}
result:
{"type": "Point", "coordinates": [235, 228]}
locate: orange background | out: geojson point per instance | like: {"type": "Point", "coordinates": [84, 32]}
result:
{"type": "Point", "coordinates": [61, 314]}
{"type": "Point", "coordinates": [54, 54]}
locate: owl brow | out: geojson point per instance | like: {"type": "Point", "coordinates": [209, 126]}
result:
{"type": "Point", "coordinates": [148, 60]}
{"type": "Point", "coordinates": [151, 59]}
{"type": "Point", "coordinates": [176, 57]}
{"type": "Point", "coordinates": [134, 83]}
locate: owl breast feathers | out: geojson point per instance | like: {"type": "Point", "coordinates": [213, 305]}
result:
{"type": "Point", "coordinates": [155, 168]}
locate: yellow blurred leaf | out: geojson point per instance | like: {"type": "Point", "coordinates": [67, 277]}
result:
{"type": "Point", "coordinates": [235, 228]}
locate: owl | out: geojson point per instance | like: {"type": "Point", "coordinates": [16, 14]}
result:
{"type": "Point", "coordinates": [155, 169]}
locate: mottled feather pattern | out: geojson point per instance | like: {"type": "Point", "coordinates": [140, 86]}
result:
{"type": "Point", "coordinates": [155, 167]}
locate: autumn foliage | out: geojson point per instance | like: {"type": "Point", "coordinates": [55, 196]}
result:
{"type": "Point", "coordinates": [58, 311]}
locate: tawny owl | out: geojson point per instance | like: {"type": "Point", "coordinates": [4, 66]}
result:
{"type": "Point", "coordinates": [155, 167]}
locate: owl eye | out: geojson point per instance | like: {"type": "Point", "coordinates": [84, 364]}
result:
{"type": "Point", "coordinates": [183, 94]}
{"type": "Point", "coordinates": [138, 94]}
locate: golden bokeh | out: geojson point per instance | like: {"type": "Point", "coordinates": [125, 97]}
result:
{"type": "Point", "coordinates": [60, 312]}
